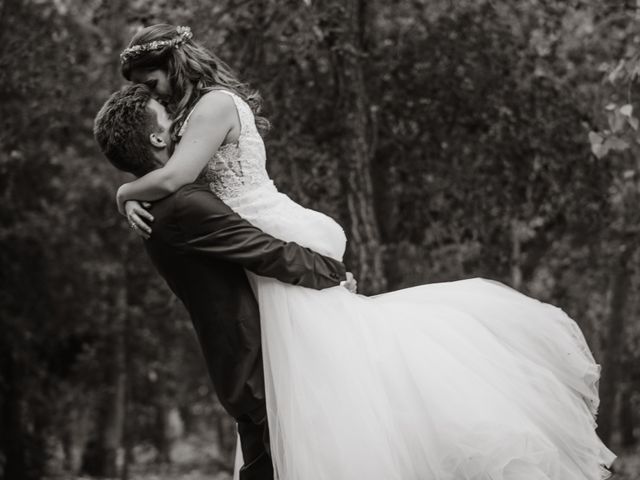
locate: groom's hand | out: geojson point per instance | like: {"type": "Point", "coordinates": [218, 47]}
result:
{"type": "Point", "coordinates": [138, 217]}
{"type": "Point", "coordinates": [350, 283]}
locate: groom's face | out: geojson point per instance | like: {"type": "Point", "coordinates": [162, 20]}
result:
{"type": "Point", "coordinates": [162, 116]}
{"type": "Point", "coordinates": [161, 138]}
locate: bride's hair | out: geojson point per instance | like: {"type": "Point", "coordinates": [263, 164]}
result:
{"type": "Point", "coordinates": [192, 70]}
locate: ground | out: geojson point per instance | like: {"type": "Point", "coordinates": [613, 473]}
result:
{"type": "Point", "coordinates": [627, 468]}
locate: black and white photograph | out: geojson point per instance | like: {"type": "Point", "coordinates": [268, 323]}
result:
{"type": "Point", "coordinates": [320, 240]}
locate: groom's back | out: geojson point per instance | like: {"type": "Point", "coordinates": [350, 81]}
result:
{"type": "Point", "coordinates": [221, 304]}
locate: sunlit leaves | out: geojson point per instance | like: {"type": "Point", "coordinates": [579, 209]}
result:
{"type": "Point", "coordinates": [601, 145]}
{"type": "Point", "coordinates": [623, 124]}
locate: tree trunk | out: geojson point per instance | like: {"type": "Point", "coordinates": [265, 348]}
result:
{"type": "Point", "coordinates": [627, 418]}
{"type": "Point", "coordinates": [12, 431]}
{"type": "Point", "coordinates": [516, 254]}
{"type": "Point", "coordinates": [112, 435]}
{"type": "Point", "coordinates": [620, 285]}
{"type": "Point", "coordinates": [104, 456]}
{"type": "Point", "coordinates": [345, 37]}
{"type": "Point", "coordinates": [166, 431]}
{"type": "Point", "coordinates": [76, 436]}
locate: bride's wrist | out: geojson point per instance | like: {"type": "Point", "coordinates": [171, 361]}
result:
{"type": "Point", "coordinates": [121, 198]}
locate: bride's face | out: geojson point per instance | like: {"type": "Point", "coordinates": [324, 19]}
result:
{"type": "Point", "coordinates": [157, 80]}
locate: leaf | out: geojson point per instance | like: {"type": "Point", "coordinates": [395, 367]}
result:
{"type": "Point", "coordinates": [536, 222]}
{"type": "Point", "coordinates": [616, 72]}
{"type": "Point", "coordinates": [615, 143]}
{"type": "Point", "coordinates": [617, 121]}
{"type": "Point", "coordinates": [626, 110]}
{"type": "Point", "coordinates": [601, 145]}
{"type": "Point", "coordinates": [635, 72]}
{"type": "Point", "coordinates": [599, 150]}
{"type": "Point", "coordinates": [597, 146]}
{"type": "Point", "coordinates": [595, 138]}
{"type": "Point", "coordinates": [633, 121]}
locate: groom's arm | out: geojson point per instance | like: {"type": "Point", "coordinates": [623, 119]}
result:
{"type": "Point", "coordinates": [210, 227]}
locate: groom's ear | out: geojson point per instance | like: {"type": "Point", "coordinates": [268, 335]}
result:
{"type": "Point", "coordinates": [157, 140]}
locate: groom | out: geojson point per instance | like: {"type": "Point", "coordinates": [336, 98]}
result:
{"type": "Point", "coordinates": [201, 248]}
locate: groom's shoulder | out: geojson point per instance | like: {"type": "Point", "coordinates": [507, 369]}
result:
{"type": "Point", "coordinates": [197, 195]}
{"type": "Point", "coordinates": [190, 198]}
{"type": "Point", "coordinates": [193, 189]}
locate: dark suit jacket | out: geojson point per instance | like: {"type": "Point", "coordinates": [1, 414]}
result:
{"type": "Point", "coordinates": [201, 248]}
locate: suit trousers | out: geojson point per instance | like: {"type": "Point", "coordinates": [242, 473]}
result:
{"type": "Point", "coordinates": [254, 441]}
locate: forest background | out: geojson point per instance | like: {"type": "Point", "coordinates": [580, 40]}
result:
{"type": "Point", "coordinates": [453, 139]}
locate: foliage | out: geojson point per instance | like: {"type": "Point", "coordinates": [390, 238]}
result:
{"type": "Point", "coordinates": [477, 119]}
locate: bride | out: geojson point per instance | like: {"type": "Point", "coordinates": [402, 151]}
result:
{"type": "Point", "coordinates": [466, 380]}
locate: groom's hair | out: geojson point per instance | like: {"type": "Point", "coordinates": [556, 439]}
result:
{"type": "Point", "coordinates": [122, 128]}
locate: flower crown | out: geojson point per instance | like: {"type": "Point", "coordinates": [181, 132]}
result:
{"type": "Point", "coordinates": [183, 34]}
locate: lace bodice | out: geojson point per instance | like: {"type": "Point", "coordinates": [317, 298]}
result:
{"type": "Point", "coordinates": [239, 167]}
{"type": "Point", "coordinates": [237, 174]}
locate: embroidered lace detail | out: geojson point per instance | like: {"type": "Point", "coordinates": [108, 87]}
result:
{"type": "Point", "coordinates": [237, 174]}
{"type": "Point", "coordinates": [239, 167]}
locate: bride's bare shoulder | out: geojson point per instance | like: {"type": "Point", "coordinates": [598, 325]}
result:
{"type": "Point", "coordinates": [216, 109]}
{"type": "Point", "coordinates": [215, 103]}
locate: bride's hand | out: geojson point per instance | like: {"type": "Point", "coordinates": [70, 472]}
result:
{"type": "Point", "coordinates": [138, 217]}
{"type": "Point", "coordinates": [350, 283]}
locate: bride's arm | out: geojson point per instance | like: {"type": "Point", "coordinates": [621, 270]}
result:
{"type": "Point", "coordinates": [212, 119]}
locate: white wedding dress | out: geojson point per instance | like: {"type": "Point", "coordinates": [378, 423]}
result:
{"type": "Point", "coordinates": [466, 380]}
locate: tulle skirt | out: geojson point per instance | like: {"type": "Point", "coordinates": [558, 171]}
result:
{"type": "Point", "coordinates": [466, 380]}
